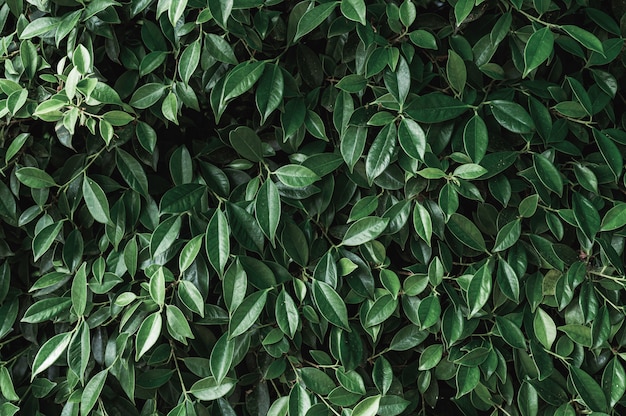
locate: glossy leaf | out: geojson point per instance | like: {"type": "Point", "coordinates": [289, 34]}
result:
{"type": "Point", "coordinates": [247, 313]}
{"type": "Point", "coordinates": [330, 305]}
{"type": "Point", "coordinates": [96, 200]}
{"type": "Point", "coordinates": [364, 230]}
{"type": "Point", "coordinates": [538, 48]}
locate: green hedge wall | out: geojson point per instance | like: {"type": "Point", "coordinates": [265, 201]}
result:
{"type": "Point", "coordinates": [247, 207]}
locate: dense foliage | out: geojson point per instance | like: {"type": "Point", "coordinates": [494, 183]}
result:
{"type": "Point", "coordinates": [247, 207]}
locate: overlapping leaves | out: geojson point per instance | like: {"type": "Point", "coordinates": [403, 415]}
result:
{"type": "Point", "coordinates": [247, 207]}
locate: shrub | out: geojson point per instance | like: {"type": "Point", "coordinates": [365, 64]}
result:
{"type": "Point", "coordinates": [248, 207]}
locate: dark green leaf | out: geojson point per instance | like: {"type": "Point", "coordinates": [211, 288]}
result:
{"type": "Point", "coordinates": [436, 107]}
{"type": "Point", "coordinates": [512, 116]}
{"type": "Point", "coordinates": [247, 313]}
{"type": "Point", "coordinates": [330, 305]}
{"type": "Point", "coordinates": [466, 232]}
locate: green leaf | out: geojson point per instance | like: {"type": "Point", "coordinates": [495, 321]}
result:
{"type": "Point", "coordinates": [241, 79]}
{"type": "Point", "coordinates": [580, 334]}
{"type": "Point", "coordinates": [431, 356]}
{"type": "Point", "coordinates": [46, 310]}
{"type": "Point", "coordinates": [191, 297]}
{"type": "Point", "coordinates": [6, 385]}
{"type": "Point", "coordinates": [353, 82]}
{"type": "Point", "coordinates": [148, 334]}
{"type": "Point", "coordinates": [132, 172]}
{"type": "Point", "coordinates": [614, 218]}
{"type": "Point", "coordinates": [512, 116]}
{"type": "Point", "coordinates": [208, 389]}
{"type": "Point", "coordinates": [221, 358]}
{"type": "Point", "coordinates": [234, 285]}
{"type": "Point", "coordinates": [177, 325]}
{"type": "Point", "coordinates": [267, 208]}
{"type": "Point", "coordinates": [92, 391]}
{"type": "Point", "coordinates": [584, 37]}
{"type": "Point", "coordinates": [45, 238]}
{"type": "Point", "coordinates": [96, 201]}
{"type": "Point", "coordinates": [610, 153]}
{"type": "Point", "coordinates": [469, 171]}
{"type": "Point", "coordinates": [330, 304]}
{"type": "Point", "coordinates": [528, 206]}
{"type": "Point", "coordinates": [381, 152]}
{"type": "Point", "coordinates": [287, 316]}
{"type": "Point", "coordinates": [189, 60]}
{"type": "Point", "coordinates": [538, 48]}
{"type": "Point", "coordinates": [157, 287]}
{"type": "Point", "coordinates": [269, 92]}
{"type": "Point", "coordinates": [79, 290]}
{"type": "Point", "coordinates": [151, 62]}
{"type": "Point", "coordinates": [15, 146]}
{"type": "Point", "coordinates": [456, 71]}
{"type": "Point", "coordinates": [117, 118]}
{"type": "Point", "coordinates": [435, 108]}
{"type": "Point", "coordinates": [544, 328]}
{"type": "Point", "coordinates": [313, 17]}
{"type": "Point", "coordinates": [39, 27]}
{"type": "Point", "coordinates": [299, 401]}
{"type": "Point", "coordinates": [316, 380]}
{"type": "Point", "coordinates": [381, 310]}
{"type": "Point", "coordinates": [614, 381]}
{"type": "Point", "coordinates": [367, 407]}
{"type": "Point", "coordinates": [217, 241]}
{"type": "Point", "coordinates": [589, 390]}
{"type": "Point", "coordinates": [354, 10]}
{"type": "Point", "coordinates": [548, 174]}
{"type": "Point", "coordinates": [296, 176]}
{"type": "Point", "coordinates": [147, 95]}
{"type": "Point", "coordinates": [352, 145]}
{"type": "Point", "coordinates": [364, 230]}
{"type": "Point", "coordinates": [49, 352]}
{"type": "Point", "coordinates": [586, 215]}
{"type": "Point", "coordinates": [423, 39]}
{"type": "Point", "coordinates": [164, 235]}
{"type": "Point", "coordinates": [176, 10]}
{"type": "Point", "coordinates": [35, 178]}
{"type": "Point", "coordinates": [528, 400]}
{"type": "Point", "coordinates": [508, 235]}
{"type": "Point", "coordinates": [510, 332]}
{"type": "Point", "coordinates": [422, 223]}
{"type": "Point", "coordinates": [220, 49]}
{"type": "Point", "coordinates": [462, 10]}
{"type": "Point", "coordinates": [169, 107]}
{"type": "Point", "coordinates": [479, 289]}
{"type": "Point", "coordinates": [247, 313]}
{"type": "Point", "coordinates": [181, 198]}
{"type": "Point", "coordinates": [475, 138]}
{"type": "Point", "coordinates": [147, 136]}
{"type": "Point", "coordinates": [463, 229]}
{"type": "Point", "coordinates": [246, 143]}
{"type": "Point", "coordinates": [412, 138]}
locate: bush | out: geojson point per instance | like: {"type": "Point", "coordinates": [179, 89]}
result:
{"type": "Point", "coordinates": [247, 207]}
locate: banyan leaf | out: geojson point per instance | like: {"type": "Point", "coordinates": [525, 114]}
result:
{"type": "Point", "coordinates": [435, 107]}
{"type": "Point", "coordinates": [538, 48]}
{"type": "Point", "coordinates": [247, 313]}
{"type": "Point", "coordinates": [380, 153]}
{"type": "Point", "coordinates": [49, 352]}
{"type": "Point", "coordinates": [330, 304]}
{"type": "Point", "coordinates": [589, 390]}
{"type": "Point", "coordinates": [313, 17]}
{"type": "Point", "coordinates": [364, 230]}
{"type": "Point", "coordinates": [466, 232]}
{"type": "Point", "coordinates": [512, 116]}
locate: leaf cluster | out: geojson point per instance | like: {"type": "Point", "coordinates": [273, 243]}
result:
{"type": "Point", "coordinates": [358, 207]}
